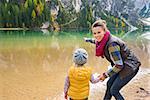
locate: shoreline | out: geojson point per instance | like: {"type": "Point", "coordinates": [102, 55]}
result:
{"type": "Point", "coordinates": [13, 29]}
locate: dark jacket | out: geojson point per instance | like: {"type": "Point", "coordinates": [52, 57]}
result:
{"type": "Point", "coordinates": [130, 61]}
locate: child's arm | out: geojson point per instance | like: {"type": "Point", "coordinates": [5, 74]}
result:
{"type": "Point", "coordinates": [94, 79]}
{"type": "Point", "coordinates": [91, 40]}
{"type": "Point", "coordinates": [66, 86]}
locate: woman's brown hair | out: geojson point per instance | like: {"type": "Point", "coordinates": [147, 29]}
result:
{"type": "Point", "coordinates": [101, 23]}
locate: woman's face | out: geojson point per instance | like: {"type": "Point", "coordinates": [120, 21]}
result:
{"type": "Point", "coordinates": [98, 33]}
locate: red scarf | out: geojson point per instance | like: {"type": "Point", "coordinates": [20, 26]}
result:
{"type": "Point", "coordinates": [100, 45]}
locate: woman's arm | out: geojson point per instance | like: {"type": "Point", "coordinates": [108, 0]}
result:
{"type": "Point", "coordinates": [114, 51]}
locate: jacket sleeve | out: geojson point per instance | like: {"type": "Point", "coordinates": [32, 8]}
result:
{"type": "Point", "coordinates": [115, 55]}
{"type": "Point", "coordinates": [67, 84]}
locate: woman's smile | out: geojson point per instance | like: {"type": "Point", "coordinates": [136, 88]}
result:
{"type": "Point", "coordinates": [98, 33]}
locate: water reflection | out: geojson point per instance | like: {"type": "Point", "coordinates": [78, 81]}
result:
{"type": "Point", "coordinates": [139, 41]}
{"type": "Point", "coordinates": [144, 44]}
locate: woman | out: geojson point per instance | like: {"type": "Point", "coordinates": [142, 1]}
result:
{"type": "Point", "coordinates": [125, 64]}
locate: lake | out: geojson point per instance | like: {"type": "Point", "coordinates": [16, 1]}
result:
{"type": "Point", "coordinates": [33, 64]}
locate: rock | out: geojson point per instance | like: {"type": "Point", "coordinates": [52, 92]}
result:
{"type": "Point", "coordinates": [142, 88]}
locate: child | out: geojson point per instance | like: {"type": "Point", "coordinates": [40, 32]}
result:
{"type": "Point", "coordinates": [77, 81]}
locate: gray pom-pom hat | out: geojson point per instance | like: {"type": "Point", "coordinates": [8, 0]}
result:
{"type": "Point", "coordinates": [80, 56]}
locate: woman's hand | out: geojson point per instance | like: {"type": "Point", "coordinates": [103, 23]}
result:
{"type": "Point", "coordinates": [86, 39]}
{"type": "Point", "coordinates": [102, 77]}
{"type": "Point", "coordinates": [90, 40]}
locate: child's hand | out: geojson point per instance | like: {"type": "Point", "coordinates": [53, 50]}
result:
{"type": "Point", "coordinates": [65, 96]}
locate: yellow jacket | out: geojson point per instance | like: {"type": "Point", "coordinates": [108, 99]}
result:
{"type": "Point", "coordinates": [79, 82]}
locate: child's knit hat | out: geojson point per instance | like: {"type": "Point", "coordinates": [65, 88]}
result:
{"type": "Point", "coordinates": [80, 56]}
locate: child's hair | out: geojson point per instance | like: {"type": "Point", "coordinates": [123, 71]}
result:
{"type": "Point", "coordinates": [80, 56]}
{"type": "Point", "coordinates": [101, 23]}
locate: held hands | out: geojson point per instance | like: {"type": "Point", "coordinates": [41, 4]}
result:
{"type": "Point", "coordinates": [102, 77]}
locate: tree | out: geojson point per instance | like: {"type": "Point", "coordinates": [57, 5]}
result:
{"type": "Point", "coordinates": [29, 13]}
